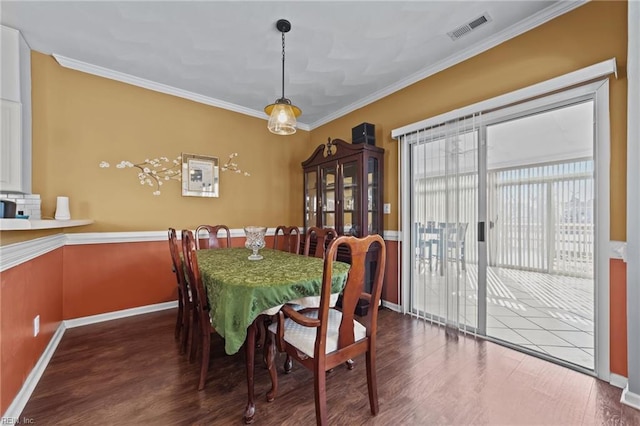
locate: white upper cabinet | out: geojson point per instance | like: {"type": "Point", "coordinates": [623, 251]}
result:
{"type": "Point", "coordinates": [15, 92]}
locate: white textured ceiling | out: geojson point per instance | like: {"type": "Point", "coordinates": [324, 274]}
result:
{"type": "Point", "coordinates": [339, 55]}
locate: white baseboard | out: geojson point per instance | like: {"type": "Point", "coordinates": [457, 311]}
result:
{"type": "Point", "coordinates": [630, 398]}
{"type": "Point", "coordinates": [617, 380]}
{"type": "Point", "coordinates": [392, 306]}
{"type": "Point", "coordinates": [79, 322]}
{"type": "Point", "coordinates": [21, 399]}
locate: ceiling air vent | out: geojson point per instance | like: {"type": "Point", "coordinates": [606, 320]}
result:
{"type": "Point", "coordinates": [468, 27]}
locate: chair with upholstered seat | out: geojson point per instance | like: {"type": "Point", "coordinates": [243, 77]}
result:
{"type": "Point", "coordinates": [212, 240]}
{"type": "Point", "coordinates": [316, 240]}
{"type": "Point", "coordinates": [202, 328]}
{"type": "Point", "coordinates": [185, 305]}
{"type": "Point", "coordinates": [287, 238]}
{"type": "Point", "coordinates": [314, 245]}
{"type": "Point", "coordinates": [453, 246]}
{"type": "Point", "coordinates": [324, 337]}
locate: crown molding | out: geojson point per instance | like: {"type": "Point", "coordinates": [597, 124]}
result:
{"type": "Point", "coordinates": [152, 85]}
{"type": "Point", "coordinates": [531, 22]}
{"type": "Point", "coordinates": [85, 67]}
{"type": "Point", "coordinates": [515, 30]}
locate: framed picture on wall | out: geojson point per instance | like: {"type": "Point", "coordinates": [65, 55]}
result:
{"type": "Point", "coordinates": [200, 176]}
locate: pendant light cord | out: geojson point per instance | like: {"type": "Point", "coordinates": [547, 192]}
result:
{"type": "Point", "coordinates": [283, 65]}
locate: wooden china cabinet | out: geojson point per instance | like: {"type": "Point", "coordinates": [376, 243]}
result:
{"type": "Point", "coordinates": [343, 190]}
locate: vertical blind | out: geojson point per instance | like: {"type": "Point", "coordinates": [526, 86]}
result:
{"type": "Point", "coordinates": [444, 177]}
{"type": "Point", "coordinates": [542, 218]}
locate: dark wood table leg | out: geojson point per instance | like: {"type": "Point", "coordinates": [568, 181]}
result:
{"type": "Point", "coordinates": [250, 347]}
{"type": "Point", "coordinates": [270, 352]}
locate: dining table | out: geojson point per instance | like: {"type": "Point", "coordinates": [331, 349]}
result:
{"type": "Point", "coordinates": [240, 291]}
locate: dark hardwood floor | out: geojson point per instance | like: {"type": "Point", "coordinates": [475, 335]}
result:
{"type": "Point", "coordinates": [129, 372]}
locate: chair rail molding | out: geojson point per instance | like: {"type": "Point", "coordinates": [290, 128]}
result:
{"type": "Point", "coordinates": [15, 254]}
{"type": "Point", "coordinates": [392, 235]}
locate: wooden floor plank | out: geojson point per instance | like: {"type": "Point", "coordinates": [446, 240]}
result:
{"type": "Point", "coordinates": [129, 372]}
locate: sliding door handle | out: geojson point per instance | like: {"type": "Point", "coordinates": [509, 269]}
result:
{"type": "Point", "coordinates": [480, 231]}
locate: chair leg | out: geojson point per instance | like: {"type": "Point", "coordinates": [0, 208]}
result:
{"type": "Point", "coordinates": [195, 337]}
{"type": "Point", "coordinates": [372, 383]}
{"type": "Point", "coordinates": [319, 382]}
{"type": "Point", "coordinates": [464, 262]}
{"type": "Point", "coordinates": [270, 351]}
{"type": "Point", "coordinates": [204, 367]}
{"type": "Point", "coordinates": [259, 329]}
{"type": "Point", "coordinates": [179, 318]}
{"type": "Point", "coordinates": [288, 365]}
{"type": "Point", "coordinates": [186, 328]}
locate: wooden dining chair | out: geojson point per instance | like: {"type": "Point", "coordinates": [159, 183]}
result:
{"type": "Point", "coordinates": [185, 305]}
{"type": "Point", "coordinates": [314, 245]}
{"type": "Point", "coordinates": [324, 337]}
{"type": "Point", "coordinates": [316, 240]}
{"type": "Point", "coordinates": [453, 246]}
{"type": "Point", "coordinates": [287, 238]}
{"type": "Point", "coordinates": [212, 241]}
{"type": "Point", "coordinates": [202, 328]}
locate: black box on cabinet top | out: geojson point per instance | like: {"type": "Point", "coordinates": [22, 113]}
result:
{"type": "Point", "coordinates": [364, 133]}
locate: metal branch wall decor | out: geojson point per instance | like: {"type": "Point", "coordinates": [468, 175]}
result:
{"type": "Point", "coordinates": [158, 171]}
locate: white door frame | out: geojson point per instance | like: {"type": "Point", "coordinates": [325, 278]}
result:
{"type": "Point", "coordinates": [599, 91]}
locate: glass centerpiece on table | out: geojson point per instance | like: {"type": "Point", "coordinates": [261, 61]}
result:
{"type": "Point", "coordinates": [255, 240]}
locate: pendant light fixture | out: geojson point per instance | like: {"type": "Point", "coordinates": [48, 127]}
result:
{"type": "Point", "coordinates": [282, 114]}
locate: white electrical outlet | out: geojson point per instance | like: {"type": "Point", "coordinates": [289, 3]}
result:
{"type": "Point", "coordinates": [36, 325]}
{"type": "Point", "coordinates": [386, 208]}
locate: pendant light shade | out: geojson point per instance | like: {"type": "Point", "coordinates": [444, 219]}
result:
{"type": "Point", "coordinates": [282, 114]}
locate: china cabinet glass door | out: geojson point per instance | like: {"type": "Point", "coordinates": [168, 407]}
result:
{"type": "Point", "coordinates": [328, 191]}
{"type": "Point", "coordinates": [373, 195]}
{"type": "Point", "coordinates": [350, 200]}
{"type": "Point", "coordinates": [310, 198]}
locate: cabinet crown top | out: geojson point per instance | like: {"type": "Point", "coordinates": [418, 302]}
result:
{"type": "Point", "coordinates": [335, 148]}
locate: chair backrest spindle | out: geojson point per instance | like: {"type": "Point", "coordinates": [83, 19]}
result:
{"type": "Point", "coordinates": [321, 236]}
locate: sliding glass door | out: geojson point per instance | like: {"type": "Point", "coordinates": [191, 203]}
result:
{"type": "Point", "coordinates": [502, 210]}
{"type": "Point", "coordinates": [540, 192]}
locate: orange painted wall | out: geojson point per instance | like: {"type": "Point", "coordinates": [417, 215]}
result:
{"type": "Point", "coordinates": [30, 289]}
{"type": "Point", "coordinates": [390, 288]}
{"type": "Point", "coordinates": [101, 278]}
{"type": "Point", "coordinates": [618, 325]}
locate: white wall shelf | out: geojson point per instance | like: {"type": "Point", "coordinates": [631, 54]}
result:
{"type": "Point", "coordinates": [27, 225]}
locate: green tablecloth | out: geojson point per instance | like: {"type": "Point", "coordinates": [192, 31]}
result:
{"type": "Point", "coordinates": [240, 289]}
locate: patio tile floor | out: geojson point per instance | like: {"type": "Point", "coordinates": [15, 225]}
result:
{"type": "Point", "coordinates": [545, 313]}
